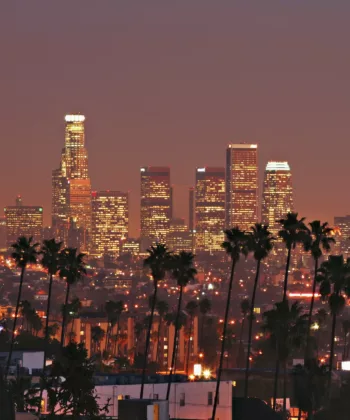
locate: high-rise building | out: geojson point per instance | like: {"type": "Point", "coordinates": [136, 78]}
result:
{"type": "Point", "coordinates": [155, 205]}
{"type": "Point", "coordinates": [179, 236]}
{"type": "Point", "coordinates": [241, 185]}
{"type": "Point", "coordinates": [342, 233]}
{"type": "Point", "coordinates": [23, 221]}
{"type": "Point", "coordinates": [277, 198]}
{"type": "Point", "coordinates": [3, 243]}
{"type": "Point", "coordinates": [71, 186]}
{"type": "Point", "coordinates": [191, 217]}
{"type": "Point", "coordinates": [209, 208]}
{"type": "Point", "coordinates": [110, 222]}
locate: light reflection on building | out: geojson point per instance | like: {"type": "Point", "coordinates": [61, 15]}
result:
{"type": "Point", "coordinates": [241, 185]}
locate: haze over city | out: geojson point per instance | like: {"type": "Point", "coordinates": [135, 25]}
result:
{"type": "Point", "coordinates": [173, 85]}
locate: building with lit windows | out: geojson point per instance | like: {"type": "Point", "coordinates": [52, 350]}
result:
{"type": "Point", "coordinates": [277, 198]}
{"type": "Point", "coordinates": [342, 233]}
{"type": "Point", "coordinates": [71, 186]}
{"type": "Point", "coordinates": [179, 236]}
{"type": "Point", "coordinates": [191, 195]}
{"type": "Point", "coordinates": [209, 209]}
{"type": "Point", "coordinates": [110, 222]}
{"type": "Point", "coordinates": [155, 205]}
{"type": "Point", "coordinates": [241, 185]}
{"type": "Point", "coordinates": [3, 243]}
{"type": "Point", "coordinates": [23, 221]}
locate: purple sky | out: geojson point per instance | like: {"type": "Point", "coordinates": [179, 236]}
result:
{"type": "Point", "coordinates": [171, 83]}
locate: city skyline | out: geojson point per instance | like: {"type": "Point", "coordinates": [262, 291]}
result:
{"type": "Point", "coordinates": [203, 84]}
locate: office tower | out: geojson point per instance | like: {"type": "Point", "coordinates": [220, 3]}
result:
{"type": "Point", "coordinates": [241, 185]}
{"type": "Point", "coordinates": [179, 236]}
{"type": "Point", "coordinates": [277, 198]}
{"type": "Point", "coordinates": [342, 233]}
{"type": "Point", "coordinates": [23, 221]}
{"type": "Point", "coordinates": [209, 208]}
{"type": "Point", "coordinates": [71, 186]}
{"type": "Point", "coordinates": [191, 216]}
{"type": "Point", "coordinates": [110, 222]}
{"type": "Point", "coordinates": [155, 205]}
{"type": "Point", "coordinates": [3, 233]}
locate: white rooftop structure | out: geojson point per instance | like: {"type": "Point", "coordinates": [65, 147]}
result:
{"type": "Point", "coordinates": [277, 166]}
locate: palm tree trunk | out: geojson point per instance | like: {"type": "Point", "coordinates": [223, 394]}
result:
{"type": "Point", "coordinates": [275, 387]}
{"type": "Point", "coordinates": [331, 357]}
{"type": "Point", "coordinates": [189, 346]}
{"type": "Point", "coordinates": [307, 348]}
{"type": "Point", "coordinates": [284, 388]}
{"type": "Point", "coordinates": [202, 331]}
{"type": "Point", "coordinates": [345, 345]}
{"type": "Point", "coordinates": [299, 414]}
{"type": "Point", "coordinates": [173, 356]}
{"type": "Point", "coordinates": [228, 301]}
{"type": "Point", "coordinates": [15, 322]}
{"type": "Point", "coordinates": [64, 314]}
{"type": "Point", "coordinates": [158, 339]}
{"type": "Point", "coordinates": [238, 361]}
{"type": "Point", "coordinates": [285, 286]}
{"type": "Point", "coordinates": [148, 339]}
{"type": "Point", "coordinates": [250, 330]}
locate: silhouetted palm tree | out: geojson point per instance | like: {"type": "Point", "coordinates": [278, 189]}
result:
{"type": "Point", "coordinates": [334, 278]}
{"type": "Point", "coordinates": [97, 335]}
{"type": "Point", "coordinates": [183, 271]}
{"type": "Point", "coordinates": [72, 269]}
{"type": "Point", "coordinates": [287, 327]}
{"type": "Point", "coordinates": [245, 306]}
{"type": "Point", "coordinates": [235, 245]}
{"type": "Point", "coordinates": [260, 242]}
{"type": "Point", "coordinates": [293, 232]}
{"type": "Point", "coordinates": [162, 308]}
{"type": "Point", "coordinates": [191, 309]}
{"type": "Point", "coordinates": [318, 240]}
{"type": "Point", "coordinates": [24, 253]}
{"type": "Point", "coordinates": [114, 309]}
{"type": "Point", "coordinates": [158, 262]}
{"type": "Point", "coordinates": [204, 308]}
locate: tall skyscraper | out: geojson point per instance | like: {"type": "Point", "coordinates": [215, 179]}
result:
{"type": "Point", "coordinates": [71, 186]}
{"type": "Point", "coordinates": [179, 237]}
{"type": "Point", "coordinates": [155, 205]}
{"type": "Point", "coordinates": [191, 217]}
{"type": "Point", "coordinates": [110, 221]}
{"type": "Point", "coordinates": [209, 208]}
{"type": "Point", "coordinates": [342, 230]}
{"type": "Point", "coordinates": [23, 221]}
{"type": "Point", "coordinates": [241, 185]}
{"type": "Point", "coordinates": [277, 198]}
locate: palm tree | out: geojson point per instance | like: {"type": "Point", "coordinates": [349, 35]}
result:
{"type": "Point", "coordinates": [162, 308]}
{"type": "Point", "coordinates": [183, 271]}
{"type": "Point", "coordinates": [113, 309]}
{"type": "Point", "coordinates": [346, 330]}
{"type": "Point", "coordinates": [158, 262]}
{"type": "Point", "coordinates": [235, 245]}
{"type": "Point", "coordinates": [204, 308]}
{"type": "Point", "coordinates": [72, 269]}
{"type": "Point", "coordinates": [24, 253]}
{"type": "Point", "coordinates": [293, 232]}
{"type": "Point", "coordinates": [286, 326]}
{"type": "Point", "coordinates": [191, 309]}
{"type": "Point", "coordinates": [318, 240]}
{"type": "Point", "coordinates": [334, 278]}
{"type": "Point", "coordinates": [245, 307]}
{"type": "Point", "coordinates": [97, 335]}
{"type": "Point", "coordinates": [260, 242]}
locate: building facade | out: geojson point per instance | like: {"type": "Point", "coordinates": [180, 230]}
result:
{"type": "Point", "coordinates": [71, 185]}
{"type": "Point", "coordinates": [209, 208]}
{"type": "Point", "coordinates": [23, 221]}
{"type": "Point", "coordinates": [180, 238]}
{"type": "Point", "coordinates": [110, 222]}
{"type": "Point", "coordinates": [342, 232]}
{"type": "Point", "coordinates": [241, 185]}
{"type": "Point", "coordinates": [277, 198]}
{"type": "Point", "coordinates": [155, 205]}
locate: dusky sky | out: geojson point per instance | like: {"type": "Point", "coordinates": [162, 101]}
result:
{"type": "Point", "coordinates": [172, 83]}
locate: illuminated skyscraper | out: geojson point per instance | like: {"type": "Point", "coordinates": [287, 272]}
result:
{"type": "Point", "coordinates": [241, 185]}
{"type": "Point", "coordinates": [191, 209]}
{"type": "Point", "coordinates": [155, 205]}
{"type": "Point", "coordinates": [3, 242]}
{"type": "Point", "coordinates": [110, 221]}
{"type": "Point", "coordinates": [342, 231]}
{"type": "Point", "coordinates": [23, 221]}
{"type": "Point", "coordinates": [179, 236]}
{"type": "Point", "coordinates": [71, 186]}
{"type": "Point", "coordinates": [209, 208]}
{"type": "Point", "coordinates": [277, 194]}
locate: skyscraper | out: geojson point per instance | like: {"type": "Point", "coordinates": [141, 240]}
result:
{"type": "Point", "coordinates": [71, 186]}
{"type": "Point", "coordinates": [342, 230]}
{"type": "Point", "coordinates": [155, 204]}
{"type": "Point", "coordinates": [277, 198]}
{"type": "Point", "coordinates": [209, 208]}
{"type": "Point", "coordinates": [179, 237]}
{"type": "Point", "coordinates": [191, 194]}
{"type": "Point", "coordinates": [110, 221]}
{"type": "Point", "coordinates": [241, 185]}
{"type": "Point", "coordinates": [23, 221]}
